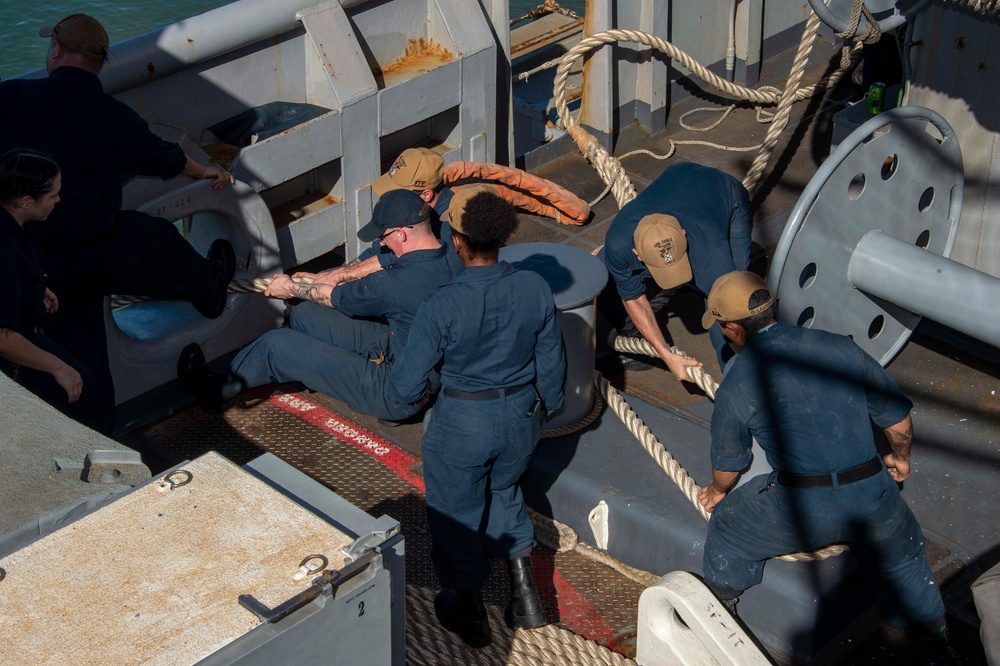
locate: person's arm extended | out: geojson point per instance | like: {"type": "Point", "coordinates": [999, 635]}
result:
{"type": "Point", "coordinates": [20, 351]}
{"type": "Point", "coordinates": [722, 483]}
{"type": "Point", "coordinates": [641, 313]}
{"type": "Point", "coordinates": [355, 270]}
{"type": "Point", "coordinates": [284, 287]}
{"type": "Point", "coordinates": [900, 438]}
{"type": "Point", "coordinates": [220, 177]}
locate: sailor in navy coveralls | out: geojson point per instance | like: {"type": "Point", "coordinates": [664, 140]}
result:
{"type": "Point", "coordinates": [809, 398]}
{"type": "Point", "coordinates": [494, 333]}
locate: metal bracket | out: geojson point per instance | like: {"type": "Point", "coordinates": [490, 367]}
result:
{"type": "Point", "coordinates": [327, 583]}
{"type": "Point", "coordinates": [383, 528]}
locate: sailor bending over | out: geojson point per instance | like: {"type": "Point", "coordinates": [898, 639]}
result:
{"type": "Point", "coordinates": [691, 225]}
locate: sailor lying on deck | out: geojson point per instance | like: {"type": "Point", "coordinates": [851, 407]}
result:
{"type": "Point", "coordinates": [333, 345]}
{"type": "Point", "coordinates": [418, 170]}
{"type": "Point", "coordinates": [691, 225]}
{"type": "Point", "coordinates": [809, 398]}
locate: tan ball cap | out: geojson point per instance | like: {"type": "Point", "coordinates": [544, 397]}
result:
{"type": "Point", "coordinates": [456, 209]}
{"type": "Point", "coordinates": [80, 33]}
{"type": "Point", "coordinates": [729, 299]}
{"type": "Point", "coordinates": [662, 246]}
{"type": "Point", "coordinates": [416, 169]}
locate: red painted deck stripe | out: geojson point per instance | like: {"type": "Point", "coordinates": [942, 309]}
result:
{"type": "Point", "coordinates": [575, 610]}
{"type": "Point", "coordinates": [396, 459]}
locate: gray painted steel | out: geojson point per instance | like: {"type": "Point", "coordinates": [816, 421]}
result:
{"type": "Point", "coordinates": [575, 277]}
{"type": "Point", "coordinates": [929, 285]}
{"type": "Point", "coordinates": [889, 174]}
{"type": "Point", "coordinates": [362, 622]}
{"type": "Point", "coordinates": [890, 14]}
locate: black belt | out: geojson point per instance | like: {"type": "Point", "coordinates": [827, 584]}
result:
{"type": "Point", "coordinates": [489, 394]}
{"type": "Point", "coordinates": [833, 479]}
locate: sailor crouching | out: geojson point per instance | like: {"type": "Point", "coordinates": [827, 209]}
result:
{"type": "Point", "coordinates": [809, 398]}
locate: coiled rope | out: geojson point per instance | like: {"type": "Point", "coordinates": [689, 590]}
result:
{"type": "Point", "coordinates": [428, 643]}
{"type": "Point", "coordinates": [610, 168]}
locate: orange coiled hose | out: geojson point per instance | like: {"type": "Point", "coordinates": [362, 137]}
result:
{"type": "Point", "coordinates": [531, 193]}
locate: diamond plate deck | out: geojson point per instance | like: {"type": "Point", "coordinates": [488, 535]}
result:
{"type": "Point", "coordinates": [581, 595]}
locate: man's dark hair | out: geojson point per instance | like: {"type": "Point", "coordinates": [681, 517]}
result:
{"type": "Point", "coordinates": [25, 173]}
{"type": "Point", "coordinates": [754, 323]}
{"type": "Point", "coordinates": [487, 223]}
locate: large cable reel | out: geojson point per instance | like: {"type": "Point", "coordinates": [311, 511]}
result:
{"type": "Point", "coordinates": [890, 14]}
{"type": "Point", "coordinates": [865, 250]}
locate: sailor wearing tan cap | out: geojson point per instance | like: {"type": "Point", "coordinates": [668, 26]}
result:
{"type": "Point", "coordinates": [419, 170]}
{"type": "Point", "coordinates": [810, 398]}
{"type": "Point", "coordinates": [90, 246]}
{"type": "Point", "coordinates": [691, 225]}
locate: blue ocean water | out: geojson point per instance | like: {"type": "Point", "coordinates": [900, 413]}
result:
{"type": "Point", "coordinates": [22, 50]}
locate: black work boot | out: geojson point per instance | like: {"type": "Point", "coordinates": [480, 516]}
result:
{"type": "Point", "coordinates": [932, 640]}
{"type": "Point", "coordinates": [223, 260]}
{"type": "Point", "coordinates": [463, 612]}
{"type": "Point", "coordinates": [525, 608]}
{"type": "Point", "coordinates": [198, 380]}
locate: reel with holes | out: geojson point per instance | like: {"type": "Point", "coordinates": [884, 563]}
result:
{"type": "Point", "coordinates": [897, 180]}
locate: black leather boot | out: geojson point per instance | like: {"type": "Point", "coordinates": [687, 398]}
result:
{"type": "Point", "coordinates": [463, 612]}
{"type": "Point", "coordinates": [525, 608]}
{"type": "Point", "coordinates": [223, 260]}
{"type": "Point", "coordinates": [198, 380]}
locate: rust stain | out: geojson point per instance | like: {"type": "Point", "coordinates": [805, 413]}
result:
{"type": "Point", "coordinates": [420, 56]}
{"type": "Point", "coordinates": [960, 42]}
{"type": "Point", "coordinates": [190, 41]}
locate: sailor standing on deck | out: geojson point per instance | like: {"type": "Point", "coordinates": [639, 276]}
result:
{"type": "Point", "coordinates": [495, 335]}
{"type": "Point", "coordinates": [90, 246]}
{"type": "Point", "coordinates": [692, 224]}
{"type": "Point", "coordinates": [809, 398]}
{"type": "Point", "coordinates": [29, 190]}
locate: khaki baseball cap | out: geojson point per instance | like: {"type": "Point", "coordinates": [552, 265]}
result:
{"type": "Point", "coordinates": [416, 169]}
{"type": "Point", "coordinates": [729, 299]}
{"type": "Point", "coordinates": [662, 245]}
{"type": "Point", "coordinates": [456, 209]}
{"type": "Point", "coordinates": [82, 34]}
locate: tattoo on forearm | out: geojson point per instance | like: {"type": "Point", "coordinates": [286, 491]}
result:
{"type": "Point", "coordinates": [312, 293]}
{"type": "Point", "coordinates": [900, 443]}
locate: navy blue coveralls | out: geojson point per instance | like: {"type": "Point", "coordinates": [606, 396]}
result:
{"type": "Point", "coordinates": [90, 247]}
{"type": "Point", "coordinates": [341, 351]}
{"type": "Point", "coordinates": [497, 331]}
{"type": "Point", "coordinates": [22, 310]}
{"type": "Point", "coordinates": [714, 210]}
{"type": "Point", "coordinates": [809, 397]}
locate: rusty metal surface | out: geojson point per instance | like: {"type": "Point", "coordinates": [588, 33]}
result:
{"type": "Point", "coordinates": [595, 598]}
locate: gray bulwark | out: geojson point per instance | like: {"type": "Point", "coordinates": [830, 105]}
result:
{"type": "Point", "coordinates": [38, 496]}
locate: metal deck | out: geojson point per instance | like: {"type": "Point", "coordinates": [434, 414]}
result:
{"type": "Point", "coordinates": [953, 383]}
